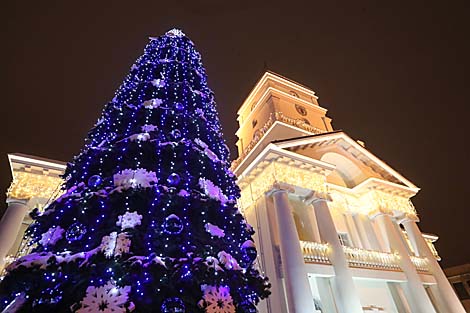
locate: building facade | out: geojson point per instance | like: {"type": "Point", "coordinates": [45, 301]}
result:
{"type": "Point", "coordinates": [36, 181]}
{"type": "Point", "coordinates": [336, 231]}
{"type": "Point", "coordinates": [459, 277]}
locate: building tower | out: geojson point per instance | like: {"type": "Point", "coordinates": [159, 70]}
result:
{"type": "Point", "coordinates": [336, 230]}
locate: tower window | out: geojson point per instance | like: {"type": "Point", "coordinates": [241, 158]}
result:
{"type": "Point", "coordinates": [254, 123]}
{"type": "Point", "coordinates": [306, 121]}
{"type": "Point", "coordinates": [293, 93]}
{"type": "Point", "coordinates": [301, 110]}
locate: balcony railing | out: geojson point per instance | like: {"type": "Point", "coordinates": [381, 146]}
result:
{"type": "Point", "coordinates": [421, 264]}
{"type": "Point", "coordinates": [371, 259]}
{"type": "Point", "coordinates": [315, 252]}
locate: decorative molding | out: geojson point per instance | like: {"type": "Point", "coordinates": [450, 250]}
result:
{"type": "Point", "coordinates": [277, 116]}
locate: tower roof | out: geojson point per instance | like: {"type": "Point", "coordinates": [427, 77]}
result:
{"type": "Point", "coordinates": [265, 81]}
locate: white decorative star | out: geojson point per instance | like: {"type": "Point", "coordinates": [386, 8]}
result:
{"type": "Point", "coordinates": [175, 33]}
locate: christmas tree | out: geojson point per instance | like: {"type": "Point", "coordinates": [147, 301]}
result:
{"type": "Point", "coordinates": [148, 221]}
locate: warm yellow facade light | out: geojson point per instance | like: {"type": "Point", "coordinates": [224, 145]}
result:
{"type": "Point", "coordinates": [26, 185]}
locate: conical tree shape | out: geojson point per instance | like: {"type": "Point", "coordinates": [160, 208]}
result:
{"type": "Point", "coordinates": [148, 221]}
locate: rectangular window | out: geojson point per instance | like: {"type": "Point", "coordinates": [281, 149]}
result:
{"type": "Point", "coordinates": [460, 290]}
{"type": "Point", "coordinates": [344, 239]}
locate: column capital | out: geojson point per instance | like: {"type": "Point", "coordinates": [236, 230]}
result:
{"type": "Point", "coordinates": [316, 196]}
{"type": "Point", "coordinates": [280, 187]}
{"type": "Point", "coordinates": [407, 218]}
{"type": "Point", "coordinates": [376, 213]}
{"type": "Point", "coordinates": [11, 200]}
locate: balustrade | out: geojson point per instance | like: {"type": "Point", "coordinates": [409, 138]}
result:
{"type": "Point", "coordinates": [315, 252]}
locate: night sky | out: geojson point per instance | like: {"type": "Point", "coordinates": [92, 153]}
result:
{"type": "Point", "coordinates": [394, 75]}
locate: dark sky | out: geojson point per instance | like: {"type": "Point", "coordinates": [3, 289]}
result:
{"type": "Point", "coordinates": [395, 75]}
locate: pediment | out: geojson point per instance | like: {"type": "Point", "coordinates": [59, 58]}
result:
{"type": "Point", "coordinates": [354, 163]}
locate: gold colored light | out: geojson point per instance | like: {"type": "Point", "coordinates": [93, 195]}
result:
{"type": "Point", "coordinates": [372, 202]}
{"type": "Point", "coordinates": [26, 185]}
{"type": "Point", "coordinates": [281, 170]}
{"type": "Point", "coordinates": [388, 203]}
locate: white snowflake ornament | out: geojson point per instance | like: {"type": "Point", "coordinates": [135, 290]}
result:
{"type": "Point", "coordinates": [115, 245]}
{"type": "Point", "coordinates": [214, 230]}
{"type": "Point", "coordinates": [217, 299]}
{"type": "Point", "coordinates": [52, 235]}
{"type": "Point", "coordinates": [129, 220]}
{"type": "Point", "coordinates": [108, 298]}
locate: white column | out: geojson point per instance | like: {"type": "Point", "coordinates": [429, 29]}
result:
{"type": "Point", "coordinates": [416, 289]}
{"type": "Point", "coordinates": [297, 285]}
{"type": "Point", "coordinates": [446, 291]}
{"type": "Point", "coordinates": [371, 234]}
{"type": "Point", "coordinates": [359, 222]}
{"type": "Point", "coordinates": [348, 298]}
{"type": "Point", "coordinates": [352, 230]}
{"type": "Point", "coordinates": [314, 224]}
{"type": "Point", "coordinates": [10, 226]}
{"type": "Point", "coordinates": [384, 237]}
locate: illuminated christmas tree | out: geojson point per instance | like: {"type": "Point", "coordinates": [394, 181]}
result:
{"type": "Point", "coordinates": [148, 221]}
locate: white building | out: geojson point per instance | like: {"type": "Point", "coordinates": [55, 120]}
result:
{"type": "Point", "coordinates": [36, 181]}
{"type": "Point", "coordinates": [336, 230]}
